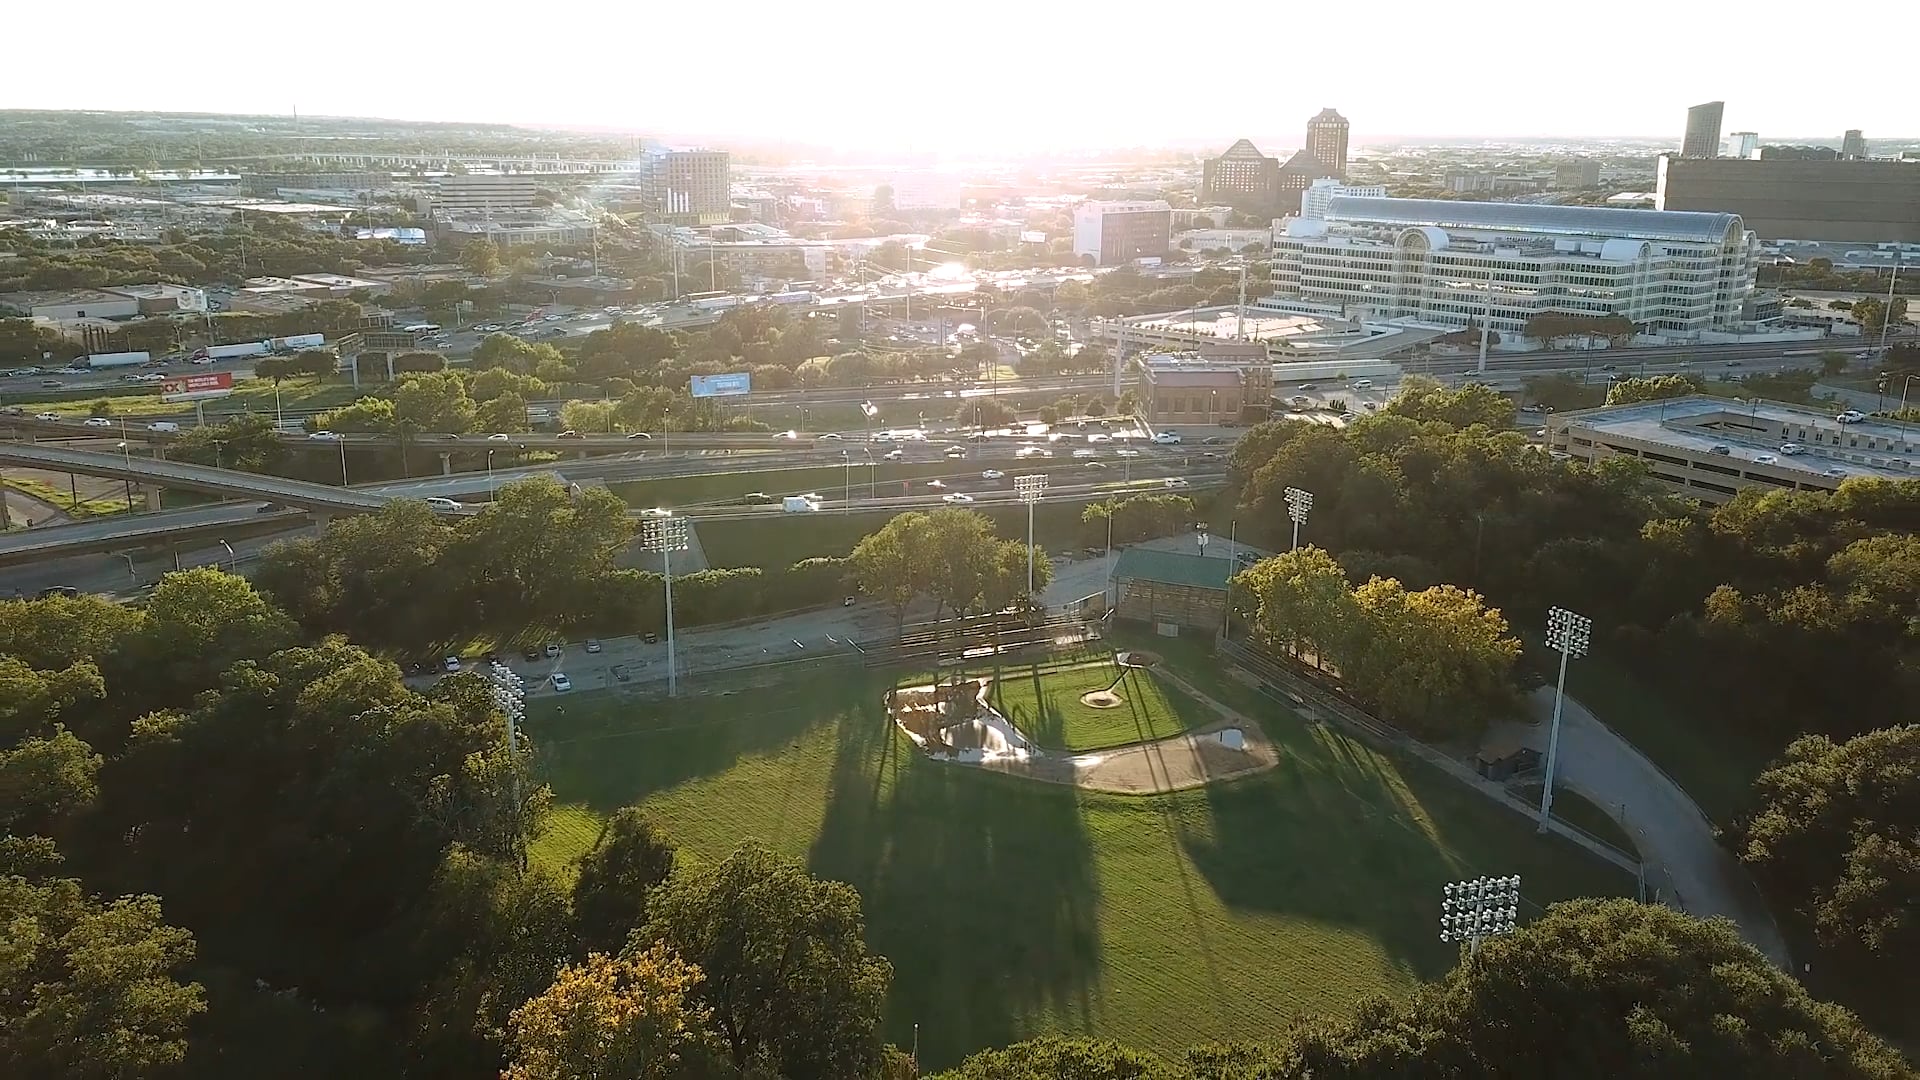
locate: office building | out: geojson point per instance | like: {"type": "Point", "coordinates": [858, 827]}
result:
{"type": "Point", "coordinates": [1117, 232]}
{"type": "Point", "coordinates": [1703, 130]}
{"type": "Point", "coordinates": [1197, 388]}
{"type": "Point", "coordinates": [1853, 144]}
{"type": "Point", "coordinates": [1744, 143]}
{"type": "Point", "coordinates": [1296, 176]}
{"type": "Point", "coordinates": [1243, 178]}
{"type": "Point", "coordinates": [481, 194]}
{"type": "Point", "coordinates": [1319, 195]}
{"type": "Point", "coordinates": [108, 302]}
{"type": "Point", "coordinates": [1871, 202]}
{"type": "Point", "coordinates": [1796, 152]}
{"type": "Point", "coordinates": [1327, 141]}
{"type": "Point", "coordinates": [1713, 448]}
{"type": "Point", "coordinates": [1678, 275]}
{"type": "Point", "coordinates": [1584, 173]}
{"type": "Point", "coordinates": [688, 187]}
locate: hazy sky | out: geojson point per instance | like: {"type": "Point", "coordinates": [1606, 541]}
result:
{"type": "Point", "coordinates": [981, 76]}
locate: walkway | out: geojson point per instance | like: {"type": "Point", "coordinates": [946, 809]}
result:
{"type": "Point", "coordinates": [1664, 821]}
{"type": "Point", "coordinates": [23, 508]}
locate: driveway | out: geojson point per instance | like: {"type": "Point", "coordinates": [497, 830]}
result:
{"type": "Point", "coordinates": [1664, 821]}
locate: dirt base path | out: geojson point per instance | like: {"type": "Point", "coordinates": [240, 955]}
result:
{"type": "Point", "coordinates": [1176, 763]}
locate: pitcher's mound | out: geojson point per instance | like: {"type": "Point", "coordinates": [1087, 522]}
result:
{"type": "Point", "coordinates": [1101, 699]}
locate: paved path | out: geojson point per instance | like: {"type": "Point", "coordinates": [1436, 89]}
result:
{"type": "Point", "coordinates": [1664, 821]}
{"type": "Point", "coordinates": [23, 508]}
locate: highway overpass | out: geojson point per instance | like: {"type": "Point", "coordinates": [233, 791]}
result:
{"type": "Point", "coordinates": [179, 475]}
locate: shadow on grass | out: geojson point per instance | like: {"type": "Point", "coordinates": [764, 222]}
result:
{"type": "Point", "coordinates": [980, 888]}
{"type": "Point", "coordinates": [608, 753]}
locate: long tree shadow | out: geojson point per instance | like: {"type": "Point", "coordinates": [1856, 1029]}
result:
{"type": "Point", "coordinates": [980, 888]}
{"type": "Point", "coordinates": [623, 754]}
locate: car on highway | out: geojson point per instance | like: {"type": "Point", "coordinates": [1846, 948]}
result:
{"type": "Point", "coordinates": [620, 673]}
{"type": "Point", "coordinates": [1175, 482]}
{"type": "Point", "coordinates": [438, 502]}
{"type": "Point", "coordinates": [1085, 453]}
{"type": "Point", "coordinates": [1128, 453]}
{"type": "Point", "coordinates": [1765, 459]}
{"type": "Point", "coordinates": [894, 455]}
{"type": "Point", "coordinates": [1792, 448]}
{"type": "Point", "coordinates": [569, 434]}
{"type": "Point", "coordinates": [1032, 451]}
{"type": "Point", "coordinates": [1836, 472]}
{"type": "Point", "coordinates": [834, 435]}
{"type": "Point", "coordinates": [1723, 451]}
{"type": "Point", "coordinates": [1213, 440]}
{"type": "Point", "coordinates": [47, 417]}
{"type": "Point", "coordinates": [51, 384]}
{"type": "Point", "coordinates": [956, 497]}
{"type": "Point", "coordinates": [499, 436]}
{"type": "Point", "coordinates": [639, 435]}
{"type": "Point", "coordinates": [323, 436]}
{"type": "Point", "coordinates": [992, 474]}
{"type": "Point", "coordinates": [1304, 386]}
{"type": "Point", "coordinates": [757, 498]}
{"type": "Point", "coordinates": [1166, 438]}
{"type": "Point", "coordinates": [786, 434]}
{"type": "Point", "coordinates": [561, 683]}
{"type": "Point", "coordinates": [955, 451]}
{"type": "Point", "coordinates": [1851, 416]}
{"type": "Point", "coordinates": [1362, 384]}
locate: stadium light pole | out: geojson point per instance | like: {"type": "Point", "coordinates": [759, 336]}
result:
{"type": "Point", "coordinates": [1568, 633]}
{"type": "Point", "coordinates": [1299, 501]}
{"type": "Point", "coordinates": [666, 535]}
{"type": "Point", "coordinates": [1030, 488]}
{"type": "Point", "coordinates": [509, 693]}
{"type": "Point", "coordinates": [1479, 908]}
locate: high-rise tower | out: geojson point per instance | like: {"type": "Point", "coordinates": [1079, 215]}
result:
{"type": "Point", "coordinates": [1327, 140]}
{"type": "Point", "coordinates": [1703, 130]}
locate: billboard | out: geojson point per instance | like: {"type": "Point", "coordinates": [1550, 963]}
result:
{"type": "Point", "coordinates": [733, 385]}
{"type": "Point", "coordinates": [197, 387]}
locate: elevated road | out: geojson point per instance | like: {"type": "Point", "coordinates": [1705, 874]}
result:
{"type": "Point", "coordinates": [182, 476]}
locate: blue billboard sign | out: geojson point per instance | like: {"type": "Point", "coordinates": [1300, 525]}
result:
{"type": "Point", "coordinates": [732, 385]}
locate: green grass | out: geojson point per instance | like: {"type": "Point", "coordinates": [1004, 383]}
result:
{"type": "Point", "coordinates": [89, 506]}
{"type": "Point", "coordinates": [1046, 705]}
{"type": "Point", "coordinates": [1583, 813]}
{"type": "Point", "coordinates": [1706, 751]}
{"type": "Point", "coordinates": [1011, 908]}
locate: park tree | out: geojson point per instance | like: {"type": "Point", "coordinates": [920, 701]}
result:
{"type": "Point", "coordinates": [784, 967]}
{"type": "Point", "coordinates": [436, 402]}
{"type": "Point", "coordinates": [369, 415]}
{"type": "Point", "coordinates": [493, 382]}
{"type": "Point", "coordinates": [1055, 1057]}
{"type": "Point", "coordinates": [887, 564]}
{"type": "Point", "coordinates": [1301, 604]}
{"type": "Point", "coordinates": [481, 257]}
{"type": "Point", "coordinates": [1134, 518]}
{"type": "Point", "coordinates": [505, 412]}
{"type": "Point", "coordinates": [1424, 399]}
{"type": "Point", "coordinates": [198, 622]}
{"type": "Point", "coordinates": [1834, 838]}
{"type": "Point", "coordinates": [587, 416]}
{"type": "Point", "coordinates": [89, 989]}
{"type": "Point", "coordinates": [1437, 661]}
{"type": "Point", "coordinates": [44, 781]}
{"type": "Point", "coordinates": [630, 860]}
{"type": "Point", "coordinates": [33, 701]}
{"type": "Point", "coordinates": [365, 576]}
{"type": "Point", "coordinates": [635, 1017]}
{"type": "Point", "coordinates": [539, 550]}
{"type": "Point", "coordinates": [1652, 388]}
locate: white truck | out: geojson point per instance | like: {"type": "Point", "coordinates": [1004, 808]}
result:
{"type": "Point", "coordinates": [295, 342]}
{"type": "Point", "coordinates": [800, 504]}
{"type": "Point", "coordinates": [228, 352]}
{"type": "Point", "coordinates": [117, 359]}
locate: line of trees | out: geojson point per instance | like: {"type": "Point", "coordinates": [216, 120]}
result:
{"type": "Point", "coordinates": [1775, 615]}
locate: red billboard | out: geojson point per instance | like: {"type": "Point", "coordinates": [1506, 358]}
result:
{"type": "Point", "coordinates": [186, 387]}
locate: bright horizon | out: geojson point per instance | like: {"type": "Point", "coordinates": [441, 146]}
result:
{"type": "Point", "coordinates": [996, 78]}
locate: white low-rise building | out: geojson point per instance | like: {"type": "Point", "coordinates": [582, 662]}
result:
{"type": "Point", "coordinates": [1674, 274]}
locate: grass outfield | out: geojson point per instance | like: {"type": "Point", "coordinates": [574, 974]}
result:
{"type": "Point", "coordinates": [1047, 707]}
{"type": "Point", "coordinates": [1011, 908]}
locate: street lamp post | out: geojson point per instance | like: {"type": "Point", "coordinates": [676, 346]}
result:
{"type": "Point", "coordinates": [492, 495]}
{"type": "Point", "coordinates": [343, 462]}
{"type": "Point", "coordinates": [233, 561]}
{"type": "Point", "coordinates": [666, 535]}
{"type": "Point", "coordinates": [1568, 633]}
{"type": "Point", "coordinates": [1299, 501]}
{"type": "Point", "coordinates": [1906, 385]}
{"type": "Point", "coordinates": [1030, 488]}
{"type": "Point", "coordinates": [1479, 908]}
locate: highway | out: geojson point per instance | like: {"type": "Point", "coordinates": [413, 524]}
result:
{"type": "Point", "coordinates": [182, 476]}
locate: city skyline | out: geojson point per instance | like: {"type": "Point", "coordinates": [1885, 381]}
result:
{"type": "Point", "coordinates": [768, 75]}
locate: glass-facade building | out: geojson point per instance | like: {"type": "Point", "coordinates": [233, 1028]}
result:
{"type": "Point", "coordinates": [1672, 273]}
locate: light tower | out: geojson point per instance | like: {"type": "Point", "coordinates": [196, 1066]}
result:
{"type": "Point", "coordinates": [1030, 488]}
{"type": "Point", "coordinates": [1479, 908]}
{"type": "Point", "coordinates": [666, 535]}
{"type": "Point", "coordinates": [509, 695]}
{"type": "Point", "coordinates": [1299, 501]}
{"type": "Point", "coordinates": [1568, 633]}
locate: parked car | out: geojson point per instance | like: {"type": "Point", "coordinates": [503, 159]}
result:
{"type": "Point", "coordinates": [450, 663]}
{"type": "Point", "coordinates": [560, 682]}
{"type": "Point", "coordinates": [531, 652]}
{"type": "Point", "coordinates": [620, 673]}
{"type": "Point", "coordinates": [553, 649]}
{"type": "Point", "coordinates": [592, 645]}
{"type": "Point", "coordinates": [650, 638]}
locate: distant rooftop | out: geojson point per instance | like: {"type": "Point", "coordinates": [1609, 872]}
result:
{"type": "Point", "coordinates": [1872, 447]}
{"type": "Point", "coordinates": [1688, 225]}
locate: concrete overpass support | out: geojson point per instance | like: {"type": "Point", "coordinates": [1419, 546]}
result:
{"type": "Point", "coordinates": [152, 495]}
{"type": "Point", "coordinates": [446, 463]}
